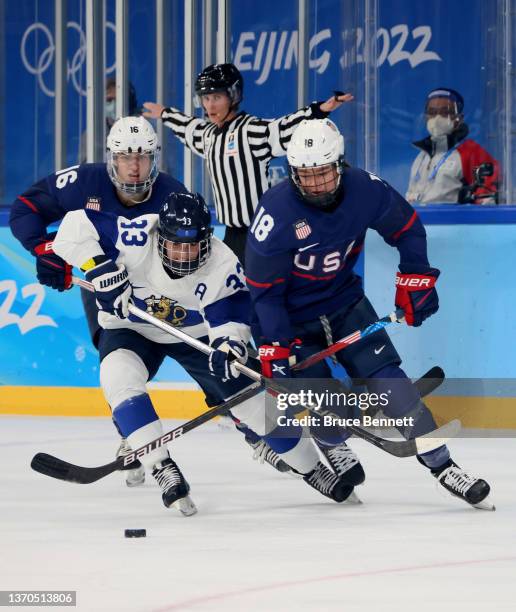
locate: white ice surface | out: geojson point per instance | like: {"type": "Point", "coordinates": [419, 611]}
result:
{"type": "Point", "coordinates": [261, 540]}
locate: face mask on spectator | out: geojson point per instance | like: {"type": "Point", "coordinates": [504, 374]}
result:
{"type": "Point", "coordinates": [439, 126]}
{"type": "Point", "coordinates": [111, 110]}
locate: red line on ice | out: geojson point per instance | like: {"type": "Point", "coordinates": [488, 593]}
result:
{"type": "Point", "coordinates": [283, 585]}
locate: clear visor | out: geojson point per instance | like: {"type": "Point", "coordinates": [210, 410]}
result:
{"type": "Point", "coordinates": [443, 109]}
{"type": "Point", "coordinates": [183, 258]}
{"type": "Point", "coordinates": [133, 172]}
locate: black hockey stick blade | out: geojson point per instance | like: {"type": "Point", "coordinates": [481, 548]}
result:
{"type": "Point", "coordinates": [430, 381]}
{"type": "Point", "coordinates": [62, 470]}
{"type": "Point", "coordinates": [409, 448]}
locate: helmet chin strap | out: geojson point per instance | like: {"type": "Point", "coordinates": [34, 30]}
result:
{"type": "Point", "coordinates": [126, 197]}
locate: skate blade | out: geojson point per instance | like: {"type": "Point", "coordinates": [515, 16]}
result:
{"type": "Point", "coordinates": [352, 500]}
{"type": "Point", "coordinates": [185, 506]}
{"type": "Point", "coordinates": [485, 504]}
{"type": "Point", "coordinates": [135, 478]}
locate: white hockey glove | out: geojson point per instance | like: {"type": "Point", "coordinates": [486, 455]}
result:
{"type": "Point", "coordinates": [227, 351]}
{"type": "Point", "coordinates": [112, 288]}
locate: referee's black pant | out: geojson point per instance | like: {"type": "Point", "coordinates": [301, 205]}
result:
{"type": "Point", "coordinates": [235, 238]}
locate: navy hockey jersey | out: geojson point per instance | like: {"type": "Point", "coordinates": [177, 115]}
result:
{"type": "Point", "coordinates": [84, 186]}
{"type": "Point", "coordinates": [299, 259]}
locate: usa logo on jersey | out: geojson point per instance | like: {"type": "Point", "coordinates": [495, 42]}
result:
{"type": "Point", "coordinates": [303, 230]}
{"type": "Point", "coordinates": [93, 203]}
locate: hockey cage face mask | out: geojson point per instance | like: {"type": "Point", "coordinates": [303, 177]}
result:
{"type": "Point", "coordinates": [319, 186]}
{"type": "Point", "coordinates": [183, 258]}
{"type": "Point", "coordinates": [133, 172]}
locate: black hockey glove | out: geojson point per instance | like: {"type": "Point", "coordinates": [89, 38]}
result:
{"type": "Point", "coordinates": [51, 270]}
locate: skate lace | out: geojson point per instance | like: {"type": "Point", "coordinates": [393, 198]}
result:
{"type": "Point", "coordinates": [457, 479]}
{"type": "Point", "coordinates": [322, 479]}
{"type": "Point", "coordinates": [342, 458]}
{"type": "Point", "coordinates": [263, 452]}
{"type": "Point", "coordinates": [167, 477]}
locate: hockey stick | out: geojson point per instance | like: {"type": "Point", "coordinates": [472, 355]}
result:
{"type": "Point", "coordinates": [393, 317]}
{"type": "Point", "coordinates": [426, 384]}
{"type": "Point", "coordinates": [62, 470]}
{"type": "Point", "coordinates": [404, 448]}
{"type": "Point", "coordinates": [430, 381]}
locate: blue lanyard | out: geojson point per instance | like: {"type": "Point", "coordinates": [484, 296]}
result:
{"type": "Point", "coordinates": [434, 172]}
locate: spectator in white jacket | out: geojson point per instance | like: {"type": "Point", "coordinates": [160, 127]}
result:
{"type": "Point", "coordinates": [444, 169]}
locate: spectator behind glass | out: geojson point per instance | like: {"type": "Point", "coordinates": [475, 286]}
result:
{"type": "Point", "coordinates": [450, 167]}
{"type": "Point", "coordinates": [110, 109]}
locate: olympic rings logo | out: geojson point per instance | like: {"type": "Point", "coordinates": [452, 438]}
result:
{"type": "Point", "coordinates": [43, 59]}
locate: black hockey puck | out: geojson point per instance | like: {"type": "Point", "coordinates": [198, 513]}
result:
{"type": "Point", "coordinates": [135, 533]}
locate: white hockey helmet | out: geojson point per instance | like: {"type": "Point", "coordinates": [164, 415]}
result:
{"type": "Point", "coordinates": [317, 149]}
{"type": "Point", "coordinates": [132, 136]}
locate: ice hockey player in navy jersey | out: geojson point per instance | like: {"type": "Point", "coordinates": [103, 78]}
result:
{"type": "Point", "coordinates": [170, 265]}
{"type": "Point", "coordinates": [304, 241]}
{"type": "Point", "coordinates": [128, 185]}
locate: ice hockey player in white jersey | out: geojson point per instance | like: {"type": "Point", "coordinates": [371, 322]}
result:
{"type": "Point", "coordinates": [170, 265]}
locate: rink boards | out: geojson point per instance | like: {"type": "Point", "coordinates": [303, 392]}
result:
{"type": "Point", "coordinates": [51, 368]}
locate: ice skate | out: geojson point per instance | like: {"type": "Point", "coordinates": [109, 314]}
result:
{"type": "Point", "coordinates": [134, 472]}
{"type": "Point", "coordinates": [174, 486]}
{"type": "Point", "coordinates": [322, 479]}
{"type": "Point", "coordinates": [344, 463]}
{"type": "Point", "coordinates": [458, 482]}
{"type": "Point", "coordinates": [264, 454]}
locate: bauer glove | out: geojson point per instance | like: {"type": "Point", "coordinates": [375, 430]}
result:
{"type": "Point", "coordinates": [277, 358]}
{"type": "Point", "coordinates": [415, 292]}
{"type": "Point", "coordinates": [51, 270]}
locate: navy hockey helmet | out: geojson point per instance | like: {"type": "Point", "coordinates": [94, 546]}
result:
{"type": "Point", "coordinates": [451, 94]}
{"type": "Point", "coordinates": [184, 233]}
{"type": "Point", "coordinates": [217, 78]}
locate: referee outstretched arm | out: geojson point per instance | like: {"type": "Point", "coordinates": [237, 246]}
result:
{"type": "Point", "coordinates": [237, 146]}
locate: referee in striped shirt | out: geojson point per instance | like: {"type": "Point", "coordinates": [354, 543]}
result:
{"type": "Point", "coordinates": [238, 147]}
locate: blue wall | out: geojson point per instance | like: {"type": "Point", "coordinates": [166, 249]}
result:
{"type": "Point", "coordinates": [473, 335]}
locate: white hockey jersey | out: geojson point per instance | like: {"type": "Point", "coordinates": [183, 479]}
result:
{"type": "Point", "coordinates": [213, 301]}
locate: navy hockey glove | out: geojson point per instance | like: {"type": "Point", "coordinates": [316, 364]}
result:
{"type": "Point", "coordinates": [277, 358]}
{"type": "Point", "coordinates": [51, 270]}
{"type": "Point", "coordinates": [415, 292]}
{"type": "Point", "coordinates": [112, 288]}
{"type": "Point", "coordinates": [227, 351]}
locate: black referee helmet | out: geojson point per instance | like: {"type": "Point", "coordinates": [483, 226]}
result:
{"type": "Point", "coordinates": [217, 78]}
